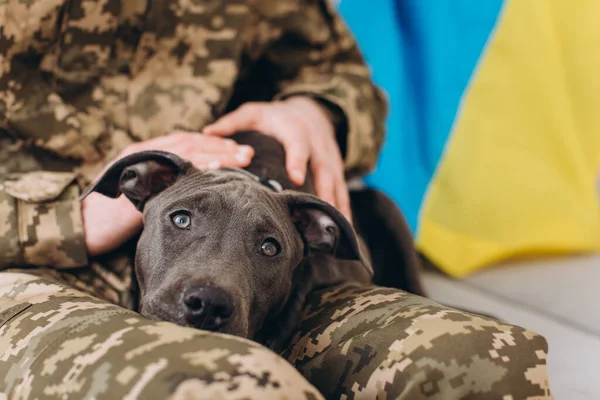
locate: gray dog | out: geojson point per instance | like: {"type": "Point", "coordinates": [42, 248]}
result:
{"type": "Point", "coordinates": [237, 251]}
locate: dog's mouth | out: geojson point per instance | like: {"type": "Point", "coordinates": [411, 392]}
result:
{"type": "Point", "coordinates": [179, 318]}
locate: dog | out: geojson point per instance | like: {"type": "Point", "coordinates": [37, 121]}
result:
{"type": "Point", "coordinates": [237, 251]}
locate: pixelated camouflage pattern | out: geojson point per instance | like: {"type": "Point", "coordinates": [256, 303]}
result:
{"type": "Point", "coordinates": [38, 186]}
{"type": "Point", "coordinates": [141, 69]}
{"type": "Point", "coordinates": [381, 343]}
{"type": "Point", "coordinates": [56, 343]}
{"type": "Point", "coordinates": [81, 80]}
{"type": "Point", "coordinates": [44, 232]}
{"type": "Point", "coordinates": [353, 343]}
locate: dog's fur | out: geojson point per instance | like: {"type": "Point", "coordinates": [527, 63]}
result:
{"type": "Point", "coordinates": [231, 216]}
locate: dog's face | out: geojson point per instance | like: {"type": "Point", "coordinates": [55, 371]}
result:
{"type": "Point", "coordinates": [216, 240]}
{"type": "Point", "coordinates": [219, 250]}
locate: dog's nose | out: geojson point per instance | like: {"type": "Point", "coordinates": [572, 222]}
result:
{"type": "Point", "coordinates": [207, 307]}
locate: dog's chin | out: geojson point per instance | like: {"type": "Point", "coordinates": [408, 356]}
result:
{"type": "Point", "coordinates": [230, 328]}
{"type": "Point", "coordinates": [164, 316]}
{"type": "Point", "coordinates": [227, 329]}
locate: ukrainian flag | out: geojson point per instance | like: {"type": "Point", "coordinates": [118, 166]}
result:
{"type": "Point", "coordinates": [493, 147]}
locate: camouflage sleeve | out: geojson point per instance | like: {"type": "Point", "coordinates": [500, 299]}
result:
{"type": "Point", "coordinates": [318, 56]}
{"type": "Point", "coordinates": [40, 221]}
{"type": "Point", "coordinates": [39, 71]}
{"type": "Point", "coordinates": [51, 50]}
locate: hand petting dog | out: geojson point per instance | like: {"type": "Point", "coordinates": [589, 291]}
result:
{"type": "Point", "coordinates": [226, 252]}
{"type": "Point", "coordinates": [109, 223]}
{"type": "Point", "coordinates": [299, 123]}
{"type": "Point", "coordinates": [302, 126]}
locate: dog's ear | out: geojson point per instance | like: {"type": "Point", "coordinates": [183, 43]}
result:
{"type": "Point", "coordinates": [139, 176]}
{"type": "Point", "coordinates": [323, 228]}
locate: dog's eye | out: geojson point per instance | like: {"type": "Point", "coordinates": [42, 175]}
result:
{"type": "Point", "coordinates": [181, 220]}
{"type": "Point", "coordinates": [270, 248]}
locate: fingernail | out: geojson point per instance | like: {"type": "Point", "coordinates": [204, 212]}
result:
{"type": "Point", "coordinates": [241, 157]}
{"type": "Point", "coordinates": [245, 149]}
{"type": "Point", "coordinates": [298, 175]}
{"type": "Point", "coordinates": [214, 165]}
{"type": "Point", "coordinates": [230, 142]}
{"type": "Point", "coordinates": [243, 153]}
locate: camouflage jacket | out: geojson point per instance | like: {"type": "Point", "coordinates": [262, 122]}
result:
{"type": "Point", "coordinates": [82, 79]}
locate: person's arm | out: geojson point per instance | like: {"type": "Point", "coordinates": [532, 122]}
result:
{"type": "Point", "coordinates": [47, 102]}
{"type": "Point", "coordinates": [52, 52]}
{"type": "Point", "coordinates": [317, 56]}
{"type": "Point", "coordinates": [40, 212]}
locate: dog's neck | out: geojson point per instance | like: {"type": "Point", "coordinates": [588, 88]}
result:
{"type": "Point", "coordinates": [265, 181]}
{"type": "Point", "coordinates": [268, 162]}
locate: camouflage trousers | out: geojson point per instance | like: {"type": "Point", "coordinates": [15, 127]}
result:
{"type": "Point", "coordinates": [353, 343]}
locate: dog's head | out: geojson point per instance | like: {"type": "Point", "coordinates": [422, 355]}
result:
{"type": "Point", "coordinates": [219, 249]}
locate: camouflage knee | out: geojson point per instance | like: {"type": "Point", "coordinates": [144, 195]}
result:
{"type": "Point", "coordinates": [56, 342]}
{"type": "Point", "coordinates": [367, 343]}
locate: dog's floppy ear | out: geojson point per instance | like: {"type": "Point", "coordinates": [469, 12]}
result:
{"type": "Point", "coordinates": [139, 176]}
{"type": "Point", "coordinates": [323, 228]}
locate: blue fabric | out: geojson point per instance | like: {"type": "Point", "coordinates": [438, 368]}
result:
{"type": "Point", "coordinates": [423, 54]}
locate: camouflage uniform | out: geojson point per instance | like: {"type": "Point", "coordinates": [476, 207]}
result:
{"type": "Point", "coordinates": [83, 79]}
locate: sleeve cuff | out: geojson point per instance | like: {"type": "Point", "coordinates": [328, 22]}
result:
{"type": "Point", "coordinates": [43, 222]}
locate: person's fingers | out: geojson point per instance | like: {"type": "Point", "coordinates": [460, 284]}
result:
{"type": "Point", "coordinates": [343, 198]}
{"type": "Point", "coordinates": [297, 153]}
{"type": "Point", "coordinates": [250, 116]}
{"type": "Point", "coordinates": [219, 161]}
{"type": "Point", "coordinates": [332, 190]}
{"type": "Point", "coordinates": [188, 150]}
{"type": "Point", "coordinates": [206, 140]}
{"type": "Point", "coordinates": [324, 184]}
{"type": "Point", "coordinates": [242, 118]}
{"type": "Point", "coordinates": [214, 161]}
{"type": "Point", "coordinates": [198, 147]}
{"type": "Point", "coordinates": [208, 143]}
{"type": "Point", "coordinates": [175, 139]}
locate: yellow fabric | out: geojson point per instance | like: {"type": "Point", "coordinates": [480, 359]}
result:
{"type": "Point", "coordinates": [520, 173]}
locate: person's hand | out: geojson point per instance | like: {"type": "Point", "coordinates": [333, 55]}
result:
{"type": "Point", "coordinates": [303, 128]}
{"type": "Point", "coordinates": [108, 223]}
{"type": "Point", "coordinates": [204, 151]}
